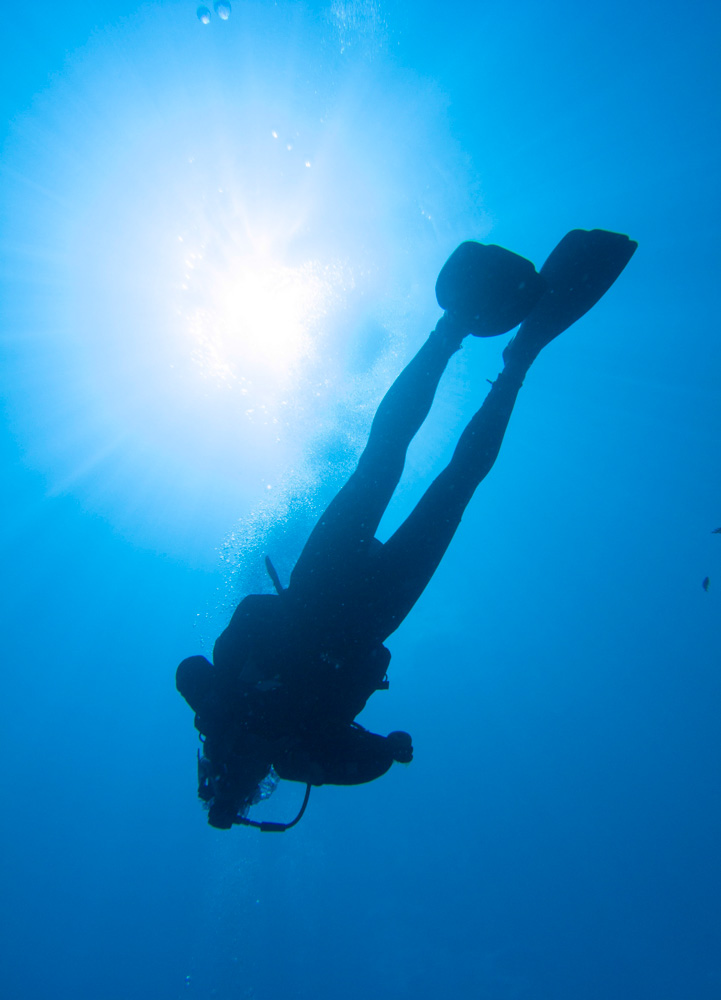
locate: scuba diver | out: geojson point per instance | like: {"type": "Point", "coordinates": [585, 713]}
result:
{"type": "Point", "coordinates": [293, 669]}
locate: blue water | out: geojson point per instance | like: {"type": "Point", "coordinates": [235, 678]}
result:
{"type": "Point", "coordinates": [219, 245]}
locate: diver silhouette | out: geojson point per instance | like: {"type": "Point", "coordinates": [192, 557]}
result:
{"type": "Point", "coordinates": [292, 670]}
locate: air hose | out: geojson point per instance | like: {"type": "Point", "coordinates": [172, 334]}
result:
{"type": "Point", "coordinates": [267, 827]}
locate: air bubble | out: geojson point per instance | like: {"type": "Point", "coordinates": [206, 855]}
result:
{"type": "Point", "coordinates": [203, 15]}
{"type": "Point", "coordinates": [222, 9]}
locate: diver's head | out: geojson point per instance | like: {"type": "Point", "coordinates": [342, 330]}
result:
{"type": "Point", "coordinates": [223, 812]}
{"type": "Point", "coordinates": [230, 787]}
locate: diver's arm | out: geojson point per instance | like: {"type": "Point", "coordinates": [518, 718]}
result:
{"type": "Point", "coordinates": [352, 756]}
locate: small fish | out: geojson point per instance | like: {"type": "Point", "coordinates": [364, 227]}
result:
{"type": "Point", "coordinates": [705, 583]}
{"type": "Point", "coordinates": [716, 531]}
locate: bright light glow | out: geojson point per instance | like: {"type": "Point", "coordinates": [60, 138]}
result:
{"type": "Point", "coordinates": [206, 311]}
{"type": "Point", "coordinates": [256, 317]}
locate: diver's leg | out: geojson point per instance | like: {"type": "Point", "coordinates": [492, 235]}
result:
{"type": "Point", "coordinates": [346, 529]}
{"type": "Point", "coordinates": [578, 272]}
{"type": "Point", "coordinates": [412, 554]}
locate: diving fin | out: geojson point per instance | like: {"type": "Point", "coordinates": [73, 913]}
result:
{"type": "Point", "coordinates": [578, 273]}
{"type": "Point", "coordinates": [486, 289]}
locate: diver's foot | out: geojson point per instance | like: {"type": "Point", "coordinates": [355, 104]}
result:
{"type": "Point", "coordinates": [451, 332]}
{"type": "Point", "coordinates": [578, 273]}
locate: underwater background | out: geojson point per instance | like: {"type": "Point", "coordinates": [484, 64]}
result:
{"type": "Point", "coordinates": [219, 243]}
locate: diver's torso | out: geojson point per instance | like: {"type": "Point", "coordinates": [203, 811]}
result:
{"type": "Point", "coordinates": [282, 675]}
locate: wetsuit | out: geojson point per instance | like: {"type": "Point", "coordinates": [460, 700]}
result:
{"type": "Point", "coordinates": [292, 671]}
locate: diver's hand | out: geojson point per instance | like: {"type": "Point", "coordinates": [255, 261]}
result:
{"type": "Point", "coordinates": [401, 746]}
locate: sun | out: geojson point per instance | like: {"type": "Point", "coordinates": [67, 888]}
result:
{"type": "Point", "coordinates": [251, 318]}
